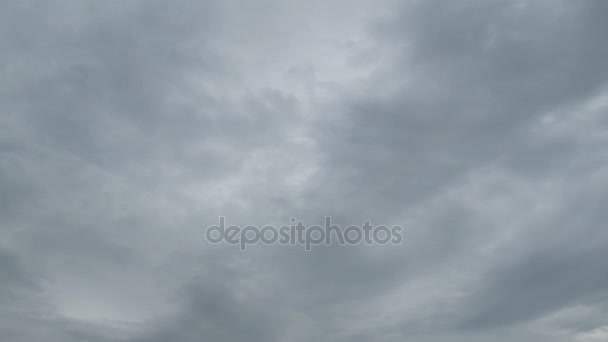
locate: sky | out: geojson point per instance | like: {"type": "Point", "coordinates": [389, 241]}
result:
{"type": "Point", "coordinates": [128, 127]}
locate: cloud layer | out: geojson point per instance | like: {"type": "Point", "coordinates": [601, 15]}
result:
{"type": "Point", "coordinates": [128, 127]}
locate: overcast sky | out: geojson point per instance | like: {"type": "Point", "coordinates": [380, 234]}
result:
{"type": "Point", "coordinates": [128, 127]}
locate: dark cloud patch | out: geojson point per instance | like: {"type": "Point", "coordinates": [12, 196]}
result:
{"type": "Point", "coordinates": [480, 75]}
{"type": "Point", "coordinates": [562, 268]}
{"type": "Point", "coordinates": [213, 311]}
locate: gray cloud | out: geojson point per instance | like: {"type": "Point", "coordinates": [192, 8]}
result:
{"type": "Point", "coordinates": [128, 127]}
